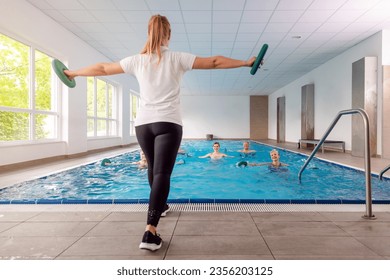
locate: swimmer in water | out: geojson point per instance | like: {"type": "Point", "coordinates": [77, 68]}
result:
{"type": "Point", "coordinates": [275, 157]}
{"type": "Point", "coordinates": [216, 154]}
{"type": "Point", "coordinates": [142, 163]}
{"type": "Point", "coordinates": [246, 149]}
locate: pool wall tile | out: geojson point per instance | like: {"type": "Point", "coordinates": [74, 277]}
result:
{"type": "Point", "coordinates": [227, 201]}
{"type": "Point", "coordinates": [328, 201]}
{"type": "Point", "coordinates": [381, 201]}
{"type": "Point", "coordinates": [303, 201]}
{"type": "Point", "coordinates": [353, 201]}
{"type": "Point", "coordinates": [23, 201]}
{"type": "Point", "coordinates": [282, 201]}
{"type": "Point", "coordinates": [5, 201]}
{"type": "Point", "coordinates": [179, 200]}
{"type": "Point", "coordinates": [49, 201]}
{"type": "Point", "coordinates": [99, 201]}
{"type": "Point", "coordinates": [252, 201]}
{"type": "Point", "coordinates": [74, 201]}
{"type": "Point", "coordinates": [126, 201]}
{"type": "Point", "coordinates": [202, 200]}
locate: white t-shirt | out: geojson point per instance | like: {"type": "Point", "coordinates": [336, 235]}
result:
{"type": "Point", "coordinates": [159, 84]}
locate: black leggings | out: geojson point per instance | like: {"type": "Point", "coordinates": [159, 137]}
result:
{"type": "Point", "coordinates": [160, 142]}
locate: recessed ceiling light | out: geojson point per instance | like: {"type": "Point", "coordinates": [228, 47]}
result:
{"type": "Point", "coordinates": [296, 37]}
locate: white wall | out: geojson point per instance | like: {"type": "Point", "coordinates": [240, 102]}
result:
{"type": "Point", "coordinates": [222, 116]}
{"type": "Point", "coordinates": [386, 47]}
{"type": "Point", "coordinates": [333, 93]}
{"type": "Point", "coordinates": [22, 21]}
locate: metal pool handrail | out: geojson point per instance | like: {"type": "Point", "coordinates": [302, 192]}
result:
{"type": "Point", "coordinates": [383, 171]}
{"type": "Point", "coordinates": [367, 156]}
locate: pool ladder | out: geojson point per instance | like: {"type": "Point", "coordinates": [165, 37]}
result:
{"type": "Point", "coordinates": [383, 171]}
{"type": "Point", "coordinates": [367, 156]}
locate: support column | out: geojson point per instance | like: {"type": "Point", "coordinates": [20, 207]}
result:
{"type": "Point", "coordinates": [307, 112]}
{"type": "Point", "coordinates": [281, 119]}
{"type": "Point", "coordinates": [386, 113]}
{"type": "Point", "coordinates": [364, 95]}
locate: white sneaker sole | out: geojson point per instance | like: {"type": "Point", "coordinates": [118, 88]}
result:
{"type": "Point", "coordinates": [150, 246]}
{"type": "Point", "coordinates": [163, 214]}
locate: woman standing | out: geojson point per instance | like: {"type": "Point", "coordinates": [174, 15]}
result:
{"type": "Point", "coordinates": [158, 124]}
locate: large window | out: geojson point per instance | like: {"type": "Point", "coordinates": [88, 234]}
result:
{"type": "Point", "coordinates": [101, 108]}
{"type": "Point", "coordinates": [134, 103]}
{"type": "Point", "coordinates": [28, 95]}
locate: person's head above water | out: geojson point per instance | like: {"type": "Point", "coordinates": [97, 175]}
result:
{"type": "Point", "coordinates": [246, 148]}
{"type": "Point", "coordinates": [274, 154]}
{"type": "Point", "coordinates": [105, 162]}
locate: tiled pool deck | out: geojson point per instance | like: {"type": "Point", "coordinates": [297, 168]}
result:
{"type": "Point", "coordinates": [79, 233]}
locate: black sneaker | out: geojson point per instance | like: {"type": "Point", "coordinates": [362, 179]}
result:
{"type": "Point", "coordinates": [150, 241]}
{"type": "Point", "coordinates": [166, 210]}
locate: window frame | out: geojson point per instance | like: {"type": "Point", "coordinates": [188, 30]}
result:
{"type": "Point", "coordinates": [115, 112]}
{"type": "Point", "coordinates": [132, 119]}
{"type": "Point", "coordinates": [31, 110]}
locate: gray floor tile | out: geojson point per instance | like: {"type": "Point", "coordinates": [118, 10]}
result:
{"type": "Point", "coordinates": [50, 229]}
{"type": "Point", "coordinates": [33, 247]}
{"type": "Point", "coordinates": [327, 257]}
{"type": "Point", "coordinates": [366, 228]}
{"type": "Point", "coordinates": [217, 245]}
{"type": "Point", "coordinates": [215, 216]}
{"type": "Point", "coordinates": [137, 217]}
{"type": "Point", "coordinates": [102, 257]}
{"type": "Point", "coordinates": [288, 217]}
{"type": "Point", "coordinates": [227, 228]}
{"type": "Point", "coordinates": [16, 216]}
{"type": "Point", "coordinates": [320, 245]}
{"type": "Point", "coordinates": [355, 216]}
{"type": "Point", "coordinates": [129, 228]}
{"type": "Point", "coordinates": [219, 257]}
{"type": "Point", "coordinates": [69, 217]}
{"type": "Point", "coordinates": [105, 246]}
{"type": "Point", "coordinates": [300, 229]}
{"type": "Point", "coordinates": [27, 258]}
{"type": "Point", "coordinates": [6, 226]}
{"type": "Point", "coordinates": [126, 217]}
{"type": "Point", "coordinates": [380, 245]}
{"type": "Point", "coordinates": [117, 229]}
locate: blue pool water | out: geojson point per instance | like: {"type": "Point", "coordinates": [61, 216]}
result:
{"type": "Point", "coordinates": [205, 179]}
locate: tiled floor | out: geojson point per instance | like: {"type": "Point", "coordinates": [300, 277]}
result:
{"type": "Point", "coordinates": [195, 235]}
{"type": "Point", "coordinates": [33, 232]}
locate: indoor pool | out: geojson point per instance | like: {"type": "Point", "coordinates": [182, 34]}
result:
{"type": "Point", "coordinates": [203, 179]}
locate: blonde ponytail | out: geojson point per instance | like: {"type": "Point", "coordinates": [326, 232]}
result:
{"type": "Point", "coordinates": [159, 30]}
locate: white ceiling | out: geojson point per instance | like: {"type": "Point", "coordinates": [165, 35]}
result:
{"type": "Point", "coordinates": [236, 28]}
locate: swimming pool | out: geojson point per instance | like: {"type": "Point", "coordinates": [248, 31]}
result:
{"type": "Point", "coordinates": [204, 180]}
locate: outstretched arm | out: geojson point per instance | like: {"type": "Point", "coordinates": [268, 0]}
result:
{"type": "Point", "coordinates": [221, 62]}
{"type": "Point", "coordinates": [205, 156]}
{"type": "Point", "coordinates": [258, 164]}
{"type": "Point", "coordinates": [98, 69]}
{"type": "Point", "coordinates": [225, 155]}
